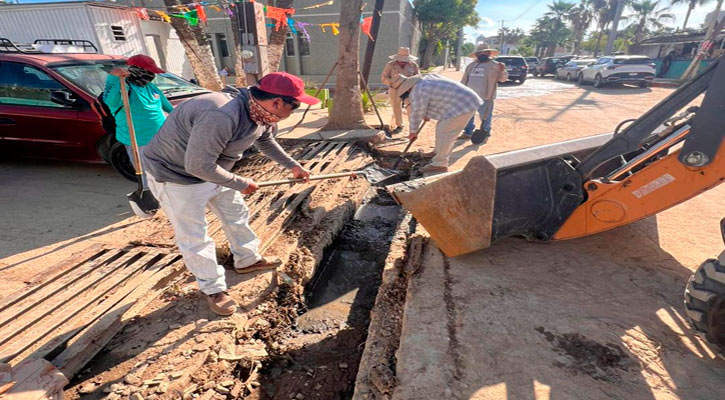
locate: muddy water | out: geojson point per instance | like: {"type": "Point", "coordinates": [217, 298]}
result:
{"type": "Point", "coordinates": [323, 349]}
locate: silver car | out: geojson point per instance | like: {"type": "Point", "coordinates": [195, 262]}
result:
{"type": "Point", "coordinates": [570, 70]}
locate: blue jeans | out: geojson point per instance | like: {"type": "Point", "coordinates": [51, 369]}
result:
{"type": "Point", "coordinates": [486, 114]}
{"type": "Point", "coordinates": [129, 151]}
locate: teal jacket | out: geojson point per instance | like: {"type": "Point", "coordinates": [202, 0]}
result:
{"type": "Point", "coordinates": [147, 104]}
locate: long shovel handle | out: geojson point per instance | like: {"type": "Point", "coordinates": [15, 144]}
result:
{"type": "Point", "coordinates": [312, 178]}
{"type": "Point", "coordinates": [410, 143]}
{"type": "Point", "coordinates": [131, 133]}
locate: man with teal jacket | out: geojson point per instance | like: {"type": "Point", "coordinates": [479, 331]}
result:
{"type": "Point", "coordinates": [146, 101]}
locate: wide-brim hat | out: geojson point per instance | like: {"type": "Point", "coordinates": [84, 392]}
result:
{"type": "Point", "coordinates": [482, 48]}
{"type": "Point", "coordinates": [404, 84]}
{"type": "Point", "coordinates": [403, 55]}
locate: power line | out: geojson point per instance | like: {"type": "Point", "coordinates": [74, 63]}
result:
{"type": "Point", "coordinates": [531, 7]}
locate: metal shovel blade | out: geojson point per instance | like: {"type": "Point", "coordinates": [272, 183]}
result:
{"type": "Point", "coordinates": [380, 176]}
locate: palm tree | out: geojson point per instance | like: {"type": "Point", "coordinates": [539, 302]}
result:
{"type": "Point", "coordinates": [559, 9]}
{"type": "Point", "coordinates": [691, 4]}
{"type": "Point", "coordinates": [581, 17]}
{"type": "Point", "coordinates": [604, 11]}
{"type": "Point", "coordinates": [646, 16]}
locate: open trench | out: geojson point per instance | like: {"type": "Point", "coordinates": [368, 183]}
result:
{"type": "Point", "coordinates": [303, 329]}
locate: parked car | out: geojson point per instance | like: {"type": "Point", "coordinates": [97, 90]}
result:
{"type": "Point", "coordinates": [619, 69]}
{"type": "Point", "coordinates": [570, 70]}
{"type": "Point", "coordinates": [515, 66]}
{"type": "Point", "coordinates": [49, 106]}
{"type": "Point", "coordinates": [549, 65]}
{"type": "Point", "coordinates": [531, 62]}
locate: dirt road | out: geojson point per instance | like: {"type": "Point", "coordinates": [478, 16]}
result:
{"type": "Point", "coordinates": [592, 318]}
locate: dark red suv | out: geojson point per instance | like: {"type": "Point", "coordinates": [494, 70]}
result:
{"type": "Point", "coordinates": [49, 106]}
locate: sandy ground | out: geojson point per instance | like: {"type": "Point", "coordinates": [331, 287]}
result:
{"type": "Point", "coordinates": [592, 318]}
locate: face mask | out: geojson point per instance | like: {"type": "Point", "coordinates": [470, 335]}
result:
{"type": "Point", "coordinates": [483, 57]}
{"type": "Point", "coordinates": [139, 76]}
{"type": "Point", "coordinates": [259, 115]}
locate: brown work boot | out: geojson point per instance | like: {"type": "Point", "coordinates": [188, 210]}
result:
{"type": "Point", "coordinates": [221, 303]}
{"type": "Point", "coordinates": [264, 263]}
{"type": "Point", "coordinates": [432, 169]}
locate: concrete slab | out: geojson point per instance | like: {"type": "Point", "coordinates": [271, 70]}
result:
{"type": "Point", "coordinates": [592, 318]}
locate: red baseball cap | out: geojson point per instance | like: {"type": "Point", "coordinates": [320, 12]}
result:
{"type": "Point", "coordinates": [285, 84]}
{"type": "Point", "coordinates": [145, 62]}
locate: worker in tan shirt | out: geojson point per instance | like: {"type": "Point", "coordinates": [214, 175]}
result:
{"type": "Point", "coordinates": [483, 76]}
{"type": "Point", "coordinates": [402, 64]}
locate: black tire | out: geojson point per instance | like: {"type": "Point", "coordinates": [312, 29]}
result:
{"type": "Point", "coordinates": [536, 73]}
{"type": "Point", "coordinates": [580, 80]}
{"type": "Point", "coordinates": [598, 81]}
{"type": "Point", "coordinates": [521, 81]}
{"type": "Point", "coordinates": [103, 146]}
{"type": "Point", "coordinates": [643, 84]}
{"type": "Point", "coordinates": [705, 301]}
{"type": "Point", "coordinates": [118, 158]}
{"type": "Point", "coordinates": [568, 77]}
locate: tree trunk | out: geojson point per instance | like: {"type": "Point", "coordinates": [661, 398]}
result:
{"type": "Point", "coordinates": [347, 110]}
{"type": "Point", "coordinates": [687, 16]}
{"type": "Point", "coordinates": [599, 40]}
{"type": "Point", "coordinates": [275, 49]}
{"type": "Point", "coordinates": [198, 50]}
{"type": "Point", "coordinates": [430, 48]}
{"type": "Point", "coordinates": [240, 79]}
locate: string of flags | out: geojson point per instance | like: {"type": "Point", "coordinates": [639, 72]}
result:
{"type": "Point", "coordinates": [194, 13]}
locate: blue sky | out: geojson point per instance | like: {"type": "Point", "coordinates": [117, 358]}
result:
{"type": "Point", "coordinates": [515, 14]}
{"type": "Point", "coordinates": [523, 13]}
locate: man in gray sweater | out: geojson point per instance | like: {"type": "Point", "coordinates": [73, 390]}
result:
{"type": "Point", "coordinates": [189, 162]}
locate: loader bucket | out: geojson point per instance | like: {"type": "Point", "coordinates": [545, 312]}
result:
{"type": "Point", "coordinates": [527, 193]}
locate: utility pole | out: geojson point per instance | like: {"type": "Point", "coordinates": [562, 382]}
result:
{"type": "Point", "coordinates": [502, 37]}
{"type": "Point", "coordinates": [370, 48]}
{"type": "Point", "coordinates": [613, 30]}
{"type": "Point", "coordinates": [459, 50]}
{"type": "Point", "coordinates": [712, 31]}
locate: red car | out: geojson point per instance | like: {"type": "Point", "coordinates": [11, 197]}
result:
{"type": "Point", "coordinates": [49, 106]}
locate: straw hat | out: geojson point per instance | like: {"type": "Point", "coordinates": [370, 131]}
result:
{"type": "Point", "coordinates": [403, 55]}
{"type": "Point", "coordinates": [404, 84]}
{"type": "Point", "coordinates": [481, 48]}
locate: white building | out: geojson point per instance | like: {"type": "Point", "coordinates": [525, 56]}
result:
{"type": "Point", "coordinates": [112, 29]}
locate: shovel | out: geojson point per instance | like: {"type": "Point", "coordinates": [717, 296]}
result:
{"type": "Point", "coordinates": [374, 174]}
{"type": "Point", "coordinates": [410, 143]}
{"type": "Point", "coordinates": [142, 202]}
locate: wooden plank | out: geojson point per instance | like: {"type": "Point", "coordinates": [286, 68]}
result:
{"type": "Point", "coordinates": [18, 302]}
{"type": "Point", "coordinates": [51, 274]}
{"type": "Point", "coordinates": [55, 340]}
{"type": "Point", "coordinates": [48, 318]}
{"type": "Point", "coordinates": [35, 380]}
{"type": "Point", "coordinates": [84, 346]}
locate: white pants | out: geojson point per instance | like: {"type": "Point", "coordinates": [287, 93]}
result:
{"type": "Point", "coordinates": [447, 131]}
{"type": "Point", "coordinates": [185, 206]}
{"type": "Point", "coordinates": [396, 103]}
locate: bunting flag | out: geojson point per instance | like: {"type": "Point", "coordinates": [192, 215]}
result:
{"type": "Point", "coordinates": [216, 8]}
{"type": "Point", "coordinates": [201, 13]}
{"type": "Point", "coordinates": [291, 25]}
{"type": "Point", "coordinates": [280, 15]}
{"type": "Point", "coordinates": [367, 23]}
{"type": "Point", "coordinates": [142, 13]}
{"type": "Point", "coordinates": [328, 3]}
{"type": "Point", "coordinates": [303, 27]}
{"type": "Point", "coordinates": [191, 17]}
{"type": "Point", "coordinates": [333, 25]}
{"type": "Point", "coordinates": [164, 16]}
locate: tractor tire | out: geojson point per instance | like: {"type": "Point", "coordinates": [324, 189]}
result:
{"type": "Point", "coordinates": [705, 301]}
{"type": "Point", "coordinates": [118, 158]}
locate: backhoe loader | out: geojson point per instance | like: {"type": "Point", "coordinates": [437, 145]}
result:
{"type": "Point", "coordinates": [580, 187]}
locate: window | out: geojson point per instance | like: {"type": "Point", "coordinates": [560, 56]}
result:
{"type": "Point", "coordinates": [635, 61]}
{"type": "Point", "coordinates": [118, 34]}
{"type": "Point", "coordinates": [304, 45]}
{"type": "Point", "coordinates": [221, 41]}
{"type": "Point", "coordinates": [208, 38]}
{"type": "Point", "coordinates": [24, 85]}
{"type": "Point", "coordinates": [289, 45]}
